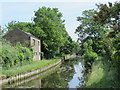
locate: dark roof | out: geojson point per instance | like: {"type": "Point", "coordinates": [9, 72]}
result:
{"type": "Point", "coordinates": [29, 34]}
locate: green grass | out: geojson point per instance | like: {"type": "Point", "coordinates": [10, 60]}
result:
{"type": "Point", "coordinates": [0, 70]}
{"type": "Point", "coordinates": [25, 68]}
{"type": "Point", "coordinates": [96, 75]}
{"type": "Point", "coordinates": [103, 76]}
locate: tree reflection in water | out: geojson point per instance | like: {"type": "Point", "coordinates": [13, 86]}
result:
{"type": "Point", "coordinates": [69, 75]}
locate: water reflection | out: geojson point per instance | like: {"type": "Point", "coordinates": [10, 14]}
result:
{"type": "Point", "coordinates": [69, 75]}
{"type": "Point", "coordinates": [78, 79]}
{"type": "Point", "coordinates": [31, 82]}
{"type": "Point", "coordinates": [60, 78]}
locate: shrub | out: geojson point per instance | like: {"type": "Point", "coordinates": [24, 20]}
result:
{"type": "Point", "coordinates": [14, 55]}
{"type": "Point", "coordinates": [91, 56]}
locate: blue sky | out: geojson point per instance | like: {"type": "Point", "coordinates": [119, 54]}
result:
{"type": "Point", "coordinates": [24, 11]}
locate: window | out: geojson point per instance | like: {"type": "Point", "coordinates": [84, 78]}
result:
{"type": "Point", "coordinates": [35, 53]}
{"type": "Point", "coordinates": [38, 43]}
{"type": "Point", "coordinates": [33, 41]}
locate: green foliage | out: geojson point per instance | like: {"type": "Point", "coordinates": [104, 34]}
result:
{"type": "Point", "coordinates": [49, 20]}
{"type": "Point", "coordinates": [14, 55]}
{"type": "Point", "coordinates": [100, 33]}
{"type": "Point", "coordinates": [103, 76]}
{"type": "Point", "coordinates": [109, 14]}
{"type": "Point", "coordinates": [8, 54]}
{"type": "Point", "coordinates": [28, 67]}
{"type": "Point", "coordinates": [89, 54]}
{"type": "Point", "coordinates": [70, 47]}
{"type": "Point", "coordinates": [106, 12]}
{"type": "Point", "coordinates": [110, 43]}
{"type": "Point", "coordinates": [100, 36]}
{"type": "Point", "coordinates": [0, 33]}
{"type": "Point", "coordinates": [89, 28]}
{"type": "Point", "coordinates": [49, 27]}
{"type": "Point", "coordinates": [107, 47]}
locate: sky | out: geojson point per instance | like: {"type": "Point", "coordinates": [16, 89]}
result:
{"type": "Point", "coordinates": [23, 10]}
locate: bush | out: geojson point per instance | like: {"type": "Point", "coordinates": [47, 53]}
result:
{"type": "Point", "coordinates": [9, 55]}
{"type": "Point", "coordinates": [28, 55]}
{"type": "Point", "coordinates": [14, 55]}
{"type": "Point", "coordinates": [91, 56]}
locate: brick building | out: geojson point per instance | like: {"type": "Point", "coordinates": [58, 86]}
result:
{"type": "Point", "coordinates": [21, 36]}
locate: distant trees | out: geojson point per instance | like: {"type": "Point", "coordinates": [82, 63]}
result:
{"type": "Point", "coordinates": [70, 47]}
{"type": "Point", "coordinates": [49, 27]}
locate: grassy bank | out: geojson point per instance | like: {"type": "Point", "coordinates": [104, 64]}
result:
{"type": "Point", "coordinates": [103, 76]}
{"type": "Point", "coordinates": [29, 67]}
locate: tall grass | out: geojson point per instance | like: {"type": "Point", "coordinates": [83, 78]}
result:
{"type": "Point", "coordinates": [28, 67]}
{"type": "Point", "coordinates": [103, 75]}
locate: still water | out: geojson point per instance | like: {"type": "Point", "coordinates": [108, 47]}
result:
{"type": "Point", "coordinates": [70, 74]}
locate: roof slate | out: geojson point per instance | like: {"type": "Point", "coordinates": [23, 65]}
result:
{"type": "Point", "coordinates": [27, 33]}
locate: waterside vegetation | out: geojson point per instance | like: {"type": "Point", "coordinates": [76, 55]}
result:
{"type": "Point", "coordinates": [99, 33]}
{"type": "Point", "coordinates": [99, 37]}
{"type": "Point", "coordinates": [28, 67]}
{"type": "Point", "coordinates": [49, 27]}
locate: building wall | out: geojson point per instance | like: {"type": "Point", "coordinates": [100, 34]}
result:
{"type": "Point", "coordinates": [16, 36]}
{"type": "Point", "coordinates": [35, 43]}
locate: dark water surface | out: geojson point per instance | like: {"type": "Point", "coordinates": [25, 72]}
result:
{"type": "Point", "coordinates": [70, 74]}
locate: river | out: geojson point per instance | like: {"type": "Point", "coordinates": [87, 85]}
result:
{"type": "Point", "coordinates": [70, 74]}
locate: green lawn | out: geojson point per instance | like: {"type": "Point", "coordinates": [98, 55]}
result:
{"type": "Point", "coordinates": [103, 76]}
{"type": "Point", "coordinates": [25, 68]}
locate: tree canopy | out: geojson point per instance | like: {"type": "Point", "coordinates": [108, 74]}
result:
{"type": "Point", "coordinates": [49, 27]}
{"type": "Point", "coordinates": [102, 28]}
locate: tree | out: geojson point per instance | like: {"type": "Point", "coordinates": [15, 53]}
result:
{"type": "Point", "coordinates": [28, 27]}
{"type": "Point", "coordinates": [49, 27]}
{"type": "Point", "coordinates": [109, 14]}
{"type": "Point", "coordinates": [49, 20]}
{"type": "Point", "coordinates": [104, 32]}
{"type": "Point", "coordinates": [89, 28]}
